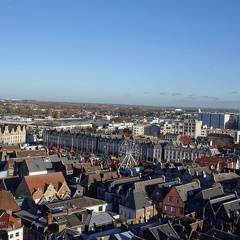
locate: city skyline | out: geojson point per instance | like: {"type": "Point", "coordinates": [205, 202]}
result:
{"type": "Point", "coordinates": [162, 53]}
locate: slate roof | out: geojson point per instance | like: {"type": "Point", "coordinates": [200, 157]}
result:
{"type": "Point", "coordinates": [210, 193]}
{"type": "Point", "coordinates": [99, 219]}
{"type": "Point", "coordinates": [201, 236]}
{"type": "Point", "coordinates": [216, 203]}
{"type": "Point", "coordinates": [218, 234]}
{"type": "Point", "coordinates": [129, 235]}
{"type": "Point", "coordinates": [82, 202]}
{"type": "Point", "coordinates": [27, 217]}
{"type": "Point", "coordinates": [67, 233]}
{"type": "Point", "coordinates": [40, 181]}
{"type": "Point", "coordinates": [232, 206]}
{"type": "Point", "coordinates": [31, 153]}
{"type": "Point", "coordinates": [73, 220]}
{"type": "Point", "coordinates": [90, 179]}
{"type": "Point", "coordinates": [12, 183]}
{"type": "Point", "coordinates": [145, 187]}
{"type": "Point", "coordinates": [39, 165]}
{"type": "Point", "coordinates": [185, 189]}
{"type": "Point", "coordinates": [121, 181]}
{"type": "Point", "coordinates": [136, 201]}
{"type": "Point", "coordinates": [225, 176]}
{"type": "Point", "coordinates": [163, 232]}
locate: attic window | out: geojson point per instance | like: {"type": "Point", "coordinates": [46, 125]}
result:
{"type": "Point", "coordinates": [190, 193]}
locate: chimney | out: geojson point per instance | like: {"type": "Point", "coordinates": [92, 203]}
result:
{"type": "Point", "coordinates": [69, 211]}
{"type": "Point", "coordinates": [49, 219]}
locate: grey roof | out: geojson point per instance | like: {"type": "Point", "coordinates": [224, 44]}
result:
{"type": "Point", "coordinates": [218, 234]}
{"type": "Point", "coordinates": [232, 206]}
{"type": "Point", "coordinates": [89, 179]}
{"type": "Point", "coordinates": [210, 193]}
{"type": "Point", "coordinates": [142, 186]}
{"type": "Point", "coordinates": [201, 236]}
{"type": "Point", "coordinates": [67, 233]}
{"type": "Point", "coordinates": [124, 180]}
{"type": "Point", "coordinates": [73, 220]}
{"type": "Point", "coordinates": [27, 216]}
{"type": "Point", "coordinates": [184, 189]}
{"type": "Point", "coordinates": [125, 236]}
{"type": "Point", "coordinates": [216, 203]}
{"type": "Point", "coordinates": [225, 176]}
{"type": "Point", "coordinates": [99, 219]}
{"type": "Point", "coordinates": [82, 202]}
{"type": "Point", "coordinates": [136, 201]}
{"type": "Point", "coordinates": [162, 232]}
{"type": "Point", "coordinates": [39, 165]}
{"type": "Point", "coordinates": [41, 222]}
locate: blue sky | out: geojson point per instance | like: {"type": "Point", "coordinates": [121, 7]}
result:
{"type": "Point", "coordinates": [159, 52]}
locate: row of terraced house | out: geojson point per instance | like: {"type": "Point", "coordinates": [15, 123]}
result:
{"type": "Point", "coordinates": [150, 150]}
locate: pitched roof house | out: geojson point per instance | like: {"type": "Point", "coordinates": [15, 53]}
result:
{"type": "Point", "coordinates": [175, 201]}
{"type": "Point", "coordinates": [45, 186]}
{"type": "Point", "coordinates": [10, 227]}
{"type": "Point", "coordinates": [199, 202]}
{"type": "Point", "coordinates": [136, 208]}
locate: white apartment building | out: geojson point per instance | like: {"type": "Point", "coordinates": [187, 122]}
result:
{"type": "Point", "coordinates": [187, 127]}
{"type": "Point", "coordinates": [148, 130]}
{"type": "Point", "coordinates": [138, 130]}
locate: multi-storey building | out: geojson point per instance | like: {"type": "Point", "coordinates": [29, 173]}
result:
{"type": "Point", "coordinates": [177, 151]}
{"type": "Point", "coordinates": [138, 130]}
{"type": "Point", "coordinates": [12, 136]}
{"type": "Point", "coordinates": [214, 120]}
{"type": "Point", "coordinates": [236, 121]}
{"type": "Point", "coordinates": [148, 130]}
{"type": "Point", "coordinates": [187, 127]}
{"type": "Point", "coordinates": [96, 143]}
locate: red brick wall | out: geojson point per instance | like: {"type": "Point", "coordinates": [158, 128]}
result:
{"type": "Point", "coordinates": [173, 204]}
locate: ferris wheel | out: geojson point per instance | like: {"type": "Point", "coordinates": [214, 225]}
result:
{"type": "Point", "coordinates": [129, 151]}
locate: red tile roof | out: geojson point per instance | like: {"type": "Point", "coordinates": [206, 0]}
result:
{"type": "Point", "coordinates": [7, 201]}
{"type": "Point", "coordinates": [40, 181]}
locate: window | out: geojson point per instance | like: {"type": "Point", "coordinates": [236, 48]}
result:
{"type": "Point", "coordinates": [100, 208]}
{"type": "Point", "coordinates": [11, 235]}
{"type": "Point", "coordinates": [166, 207]}
{"type": "Point", "coordinates": [170, 199]}
{"type": "Point", "coordinates": [173, 209]}
{"type": "Point", "coordinates": [17, 234]}
{"type": "Point", "coordinates": [177, 200]}
{"type": "Point", "coordinates": [181, 210]}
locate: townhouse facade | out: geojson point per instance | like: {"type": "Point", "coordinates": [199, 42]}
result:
{"type": "Point", "coordinates": [96, 143]}
{"type": "Point", "coordinates": [178, 151]}
{"type": "Point", "coordinates": [12, 136]}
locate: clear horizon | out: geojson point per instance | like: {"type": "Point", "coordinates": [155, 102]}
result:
{"type": "Point", "coordinates": [159, 53]}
